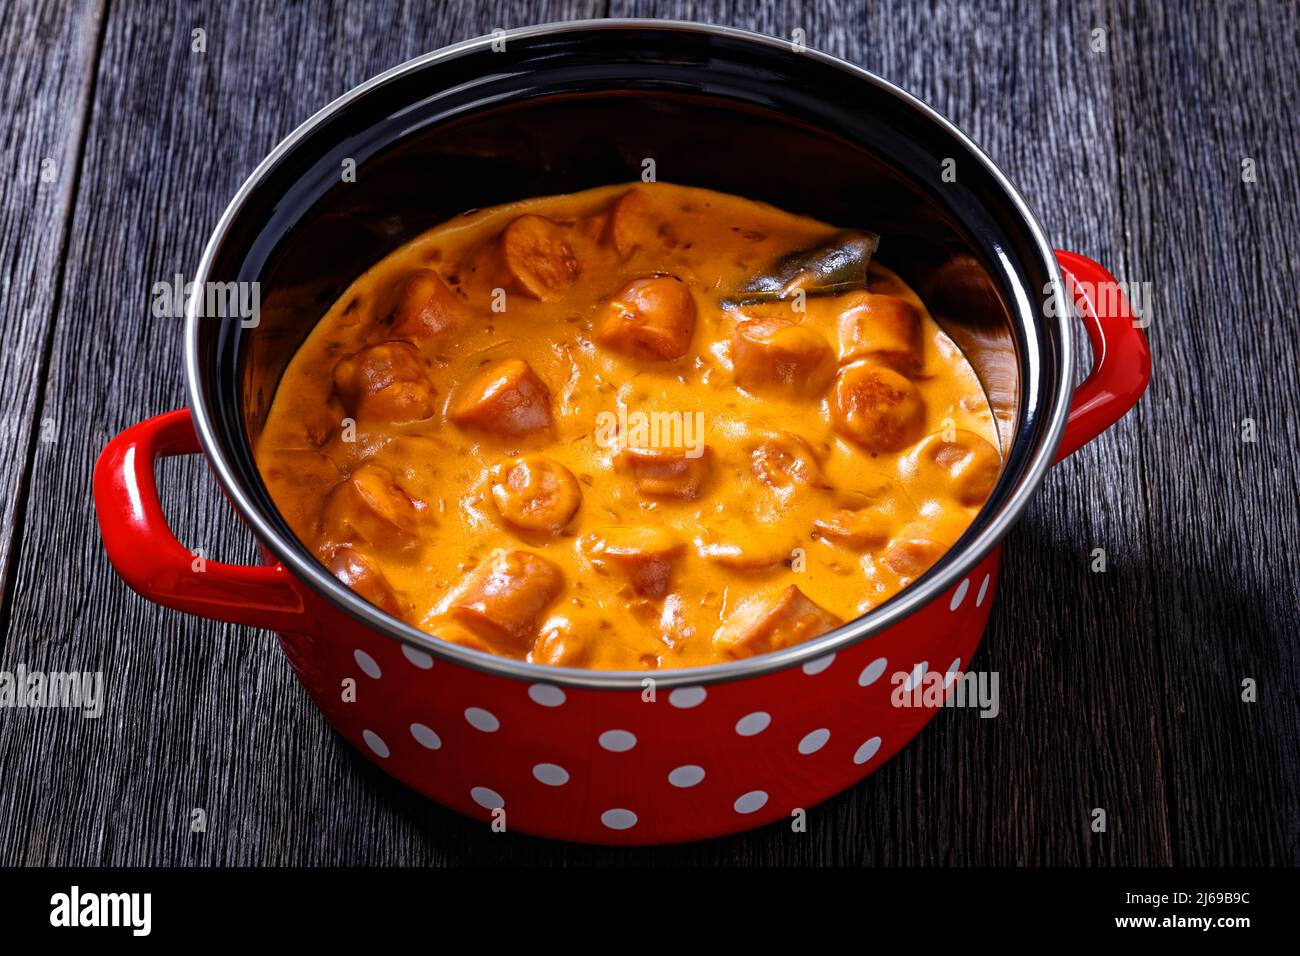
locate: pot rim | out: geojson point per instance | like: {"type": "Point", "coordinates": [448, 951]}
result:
{"type": "Point", "coordinates": [954, 565]}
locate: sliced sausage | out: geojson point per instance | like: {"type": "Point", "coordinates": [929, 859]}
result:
{"type": "Point", "coordinates": [876, 407]}
{"type": "Point", "coordinates": [651, 318]}
{"type": "Point", "coordinates": [883, 327]}
{"type": "Point", "coordinates": [920, 544]}
{"type": "Point", "coordinates": [864, 529]}
{"type": "Point", "coordinates": [784, 460]}
{"type": "Point", "coordinates": [369, 507]}
{"type": "Point", "coordinates": [561, 645]}
{"type": "Point", "coordinates": [632, 223]}
{"type": "Point", "coordinates": [448, 630]}
{"type": "Point", "coordinates": [910, 556]}
{"type": "Point", "coordinates": [426, 307]}
{"type": "Point", "coordinates": [537, 256]}
{"type": "Point", "coordinates": [747, 551]}
{"type": "Point", "coordinates": [961, 462]}
{"type": "Point", "coordinates": [505, 398]}
{"type": "Point", "coordinates": [386, 382]}
{"type": "Point", "coordinates": [777, 355]}
{"type": "Point", "coordinates": [535, 493]}
{"type": "Point", "coordinates": [361, 574]}
{"type": "Point", "coordinates": [666, 472]}
{"type": "Point", "coordinates": [772, 622]}
{"type": "Point", "coordinates": [644, 555]}
{"type": "Point", "coordinates": [504, 599]}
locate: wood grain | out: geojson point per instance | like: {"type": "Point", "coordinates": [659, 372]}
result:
{"type": "Point", "coordinates": [1121, 690]}
{"type": "Point", "coordinates": [48, 49]}
{"type": "Point", "coordinates": [1221, 514]}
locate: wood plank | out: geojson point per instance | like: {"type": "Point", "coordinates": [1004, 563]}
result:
{"type": "Point", "coordinates": [1211, 88]}
{"type": "Point", "coordinates": [47, 48]}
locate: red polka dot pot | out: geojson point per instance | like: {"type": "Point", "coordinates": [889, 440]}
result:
{"type": "Point", "coordinates": [614, 757]}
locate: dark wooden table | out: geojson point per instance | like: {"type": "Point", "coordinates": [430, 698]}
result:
{"type": "Point", "coordinates": [1120, 690]}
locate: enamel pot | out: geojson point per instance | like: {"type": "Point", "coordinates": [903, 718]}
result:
{"type": "Point", "coordinates": [598, 756]}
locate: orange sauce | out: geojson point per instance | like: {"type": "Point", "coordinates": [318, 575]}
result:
{"type": "Point", "coordinates": [556, 430]}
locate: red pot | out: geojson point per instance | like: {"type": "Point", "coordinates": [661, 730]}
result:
{"type": "Point", "coordinates": [597, 756]}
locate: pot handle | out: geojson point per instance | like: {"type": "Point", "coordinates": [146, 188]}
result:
{"type": "Point", "coordinates": [1121, 366]}
{"type": "Point", "coordinates": [147, 555]}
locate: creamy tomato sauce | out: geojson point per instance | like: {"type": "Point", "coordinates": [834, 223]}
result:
{"type": "Point", "coordinates": [562, 430]}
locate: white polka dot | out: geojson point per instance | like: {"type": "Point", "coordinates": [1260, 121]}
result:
{"type": "Point", "coordinates": [548, 695]}
{"type": "Point", "coordinates": [867, 750]}
{"type": "Point", "coordinates": [749, 802]}
{"type": "Point", "coordinates": [618, 819]}
{"type": "Point", "coordinates": [960, 594]}
{"type": "Point", "coordinates": [366, 663]}
{"type": "Point", "coordinates": [686, 776]}
{"type": "Point", "coordinates": [375, 743]}
{"type": "Point", "coordinates": [551, 774]}
{"type": "Point", "coordinates": [984, 589]}
{"type": "Point", "coordinates": [687, 697]}
{"type": "Point", "coordinates": [918, 672]}
{"type": "Point", "coordinates": [818, 665]}
{"type": "Point", "coordinates": [417, 657]}
{"type": "Point", "coordinates": [617, 741]}
{"type": "Point", "coordinates": [487, 798]}
{"type": "Point", "coordinates": [815, 741]}
{"type": "Point", "coordinates": [871, 673]}
{"type": "Point", "coordinates": [483, 720]}
{"type": "Point", "coordinates": [754, 723]}
{"type": "Point", "coordinates": [425, 736]}
{"type": "Point", "coordinates": [953, 668]}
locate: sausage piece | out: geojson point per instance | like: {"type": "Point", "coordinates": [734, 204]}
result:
{"type": "Point", "coordinates": [651, 318]}
{"type": "Point", "coordinates": [777, 355]}
{"type": "Point", "coordinates": [748, 551]}
{"type": "Point", "coordinates": [505, 398]}
{"type": "Point", "coordinates": [631, 223]}
{"type": "Point", "coordinates": [504, 599]}
{"type": "Point", "coordinates": [666, 472]}
{"type": "Point", "coordinates": [960, 461]}
{"type": "Point", "coordinates": [386, 382]}
{"type": "Point", "coordinates": [561, 645]}
{"type": "Point", "coordinates": [453, 633]}
{"type": "Point", "coordinates": [426, 307]}
{"type": "Point", "coordinates": [538, 258]}
{"type": "Point", "coordinates": [644, 555]}
{"type": "Point", "coordinates": [369, 507]}
{"type": "Point", "coordinates": [783, 460]}
{"type": "Point", "coordinates": [883, 327]}
{"type": "Point", "coordinates": [770, 623]}
{"type": "Point", "coordinates": [864, 529]}
{"type": "Point", "coordinates": [360, 574]}
{"type": "Point", "coordinates": [920, 544]}
{"type": "Point", "coordinates": [876, 407]}
{"type": "Point", "coordinates": [535, 493]}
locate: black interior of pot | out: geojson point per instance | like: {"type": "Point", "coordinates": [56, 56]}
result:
{"type": "Point", "coordinates": [559, 113]}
